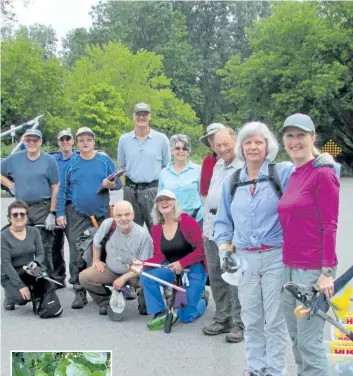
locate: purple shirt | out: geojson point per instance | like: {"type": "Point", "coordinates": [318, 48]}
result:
{"type": "Point", "coordinates": [308, 213]}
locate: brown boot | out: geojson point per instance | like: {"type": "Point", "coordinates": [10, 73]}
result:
{"type": "Point", "coordinates": [235, 335]}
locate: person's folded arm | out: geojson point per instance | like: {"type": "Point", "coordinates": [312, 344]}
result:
{"type": "Point", "coordinates": [327, 193]}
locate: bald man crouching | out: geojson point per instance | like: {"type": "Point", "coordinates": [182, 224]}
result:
{"type": "Point", "coordinates": [128, 241]}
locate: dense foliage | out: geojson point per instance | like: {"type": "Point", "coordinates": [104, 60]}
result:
{"type": "Point", "coordinates": [61, 364]}
{"type": "Point", "coordinates": [194, 62]}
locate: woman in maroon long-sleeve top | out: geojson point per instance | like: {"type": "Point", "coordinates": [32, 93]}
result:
{"type": "Point", "coordinates": [177, 242]}
{"type": "Point", "coordinates": [308, 212]}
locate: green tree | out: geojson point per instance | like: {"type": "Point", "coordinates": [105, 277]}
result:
{"type": "Point", "coordinates": [300, 62]}
{"type": "Point", "coordinates": [44, 35]}
{"type": "Point", "coordinates": [136, 77]}
{"type": "Point", "coordinates": [30, 85]}
{"type": "Point", "coordinates": [101, 109]}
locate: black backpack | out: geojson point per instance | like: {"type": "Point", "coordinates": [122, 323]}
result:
{"type": "Point", "coordinates": [272, 177]}
{"type": "Point", "coordinates": [48, 305]}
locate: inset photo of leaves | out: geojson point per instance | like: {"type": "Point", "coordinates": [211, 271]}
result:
{"type": "Point", "coordinates": [61, 363]}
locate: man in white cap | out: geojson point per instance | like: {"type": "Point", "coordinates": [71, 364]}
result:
{"type": "Point", "coordinates": [84, 174]}
{"type": "Point", "coordinates": [35, 181]}
{"type": "Point", "coordinates": [144, 152]}
{"type": "Point", "coordinates": [210, 160]}
{"type": "Point", "coordinates": [65, 142]}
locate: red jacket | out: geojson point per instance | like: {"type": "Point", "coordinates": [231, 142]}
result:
{"type": "Point", "coordinates": [192, 234]}
{"type": "Point", "coordinates": [206, 173]}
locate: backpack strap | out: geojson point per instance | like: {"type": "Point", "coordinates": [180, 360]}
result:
{"type": "Point", "coordinates": [275, 180]}
{"type": "Point", "coordinates": [104, 241]}
{"type": "Point", "coordinates": [234, 183]}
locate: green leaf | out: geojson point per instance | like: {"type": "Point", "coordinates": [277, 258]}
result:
{"type": "Point", "coordinates": [61, 368]}
{"type": "Point", "coordinates": [96, 357]}
{"type": "Point", "coordinates": [76, 369]}
{"type": "Point", "coordinates": [100, 373]}
{"type": "Point", "coordinates": [18, 369]}
{"type": "Point", "coordinates": [40, 372]}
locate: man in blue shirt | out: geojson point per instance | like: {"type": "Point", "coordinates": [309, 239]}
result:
{"type": "Point", "coordinates": [65, 142]}
{"type": "Point", "coordinates": [83, 175]}
{"type": "Point", "coordinates": [144, 152]}
{"type": "Point", "coordinates": [35, 180]}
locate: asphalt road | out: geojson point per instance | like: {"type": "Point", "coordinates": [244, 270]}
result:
{"type": "Point", "coordinates": [136, 350]}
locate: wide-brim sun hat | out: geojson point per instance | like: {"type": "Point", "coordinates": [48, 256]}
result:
{"type": "Point", "coordinates": [211, 129]}
{"type": "Point", "coordinates": [300, 121]}
{"type": "Point", "coordinates": [243, 273]}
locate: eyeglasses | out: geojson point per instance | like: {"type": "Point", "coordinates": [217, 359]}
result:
{"type": "Point", "coordinates": [18, 214]}
{"type": "Point", "coordinates": [179, 148]}
{"type": "Point", "coordinates": [65, 138]}
{"type": "Point", "coordinates": [32, 140]}
{"type": "Point", "coordinates": [83, 141]}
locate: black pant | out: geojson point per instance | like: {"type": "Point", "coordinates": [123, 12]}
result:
{"type": "Point", "coordinates": [36, 286]}
{"type": "Point", "coordinates": [58, 256]}
{"type": "Point", "coordinates": [37, 215]}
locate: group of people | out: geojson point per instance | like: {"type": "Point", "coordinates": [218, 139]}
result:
{"type": "Point", "coordinates": [279, 219]}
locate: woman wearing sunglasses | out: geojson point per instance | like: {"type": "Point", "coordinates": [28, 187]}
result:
{"type": "Point", "coordinates": [182, 177]}
{"type": "Point", "coordinates": [20, 245]}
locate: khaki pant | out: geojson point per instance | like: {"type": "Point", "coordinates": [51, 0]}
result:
{"type": "Point", "coordinates": [94, 282]}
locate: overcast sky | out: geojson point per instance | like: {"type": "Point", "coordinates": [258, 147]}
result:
{"type": "Point", "coordinates": [62, 15]}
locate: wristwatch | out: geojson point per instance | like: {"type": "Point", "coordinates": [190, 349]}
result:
{"type": "Point", "coordinates": [52, 212]}
{"type": "Point", "coordinates": [327, 272]}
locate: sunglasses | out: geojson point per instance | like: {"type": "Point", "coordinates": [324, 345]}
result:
{"type": "Point", "coordinates": [18, 214]}
{"type": "Point", "coordinates": [65, 138]}
{"type": "Point", "coordinates": [179, 148]}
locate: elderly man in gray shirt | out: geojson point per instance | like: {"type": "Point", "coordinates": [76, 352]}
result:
{"type": "Point", "coordinates": [227, 316]}
{"type": "Point", "coordinates": [128, 241]}
{"type": "Point", "coordinates": [144, 152]}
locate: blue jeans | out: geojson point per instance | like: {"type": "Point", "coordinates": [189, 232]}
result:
{"type": "Point", "coordinates": [197, 281]}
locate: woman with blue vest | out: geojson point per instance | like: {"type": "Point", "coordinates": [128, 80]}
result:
{"type": "Point", "coordinates": [182, 177]}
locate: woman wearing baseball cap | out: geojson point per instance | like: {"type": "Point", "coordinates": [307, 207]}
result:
{"type": "Point", "coordinates": [308, 213]}
{"type": "Point", "coordinates": [177, 242]}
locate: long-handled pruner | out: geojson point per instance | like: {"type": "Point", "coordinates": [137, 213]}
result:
{"type": "Point", "coordinates": [35, 271]}
{"type": "Point", "coordinates": [312, 300]}
{"type": "Point", "coordinates": [153, 265]}
{"type": "Point", "coordinates": [161, 281]}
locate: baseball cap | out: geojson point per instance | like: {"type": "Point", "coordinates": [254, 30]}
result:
{"type": "Point", "coordinates": [300, 121]}
{"type": "Point", "coordinates": [211, 129]}
{"type": "Point", "coordinates": [116, 306]}
{"type": "Point", "coordinates": [33, 132]}
{"type": "Point", "coordinates": [165, 193]}
{"type": "Point", "coordinates": [139, 107]}
{"type": "Point", "coordinates": [238, 271]}
{"type": "Point", "coordinates": [83, 130]}
{"type": "Point", "coordinates": [66, 132]}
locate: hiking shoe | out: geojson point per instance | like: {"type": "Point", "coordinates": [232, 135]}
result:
{"type": "Point", "coordinates": [80, 299]}
{"type": "Point", "coordinates": [205, 295]}
{"type": "Point", "coordinates": [217, 328]}
{"type": "Point", "coordinates": [9, 305]}
{"type": "Point", "coordinates": [235, 335]}
{"type": "Point", "coordinates": [103, 310]}
{"type": "Point", "coordinates": [142, 307]}
{"type": "Point", "coordinates": [129, 292]}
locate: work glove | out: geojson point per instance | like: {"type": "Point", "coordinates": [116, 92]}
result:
{"type": "Point", "coordinates": [222, 251]}
{"type": "Point", "coordinates": [324, 159]}
{"type": "Point", "coordinates": [50, 222]}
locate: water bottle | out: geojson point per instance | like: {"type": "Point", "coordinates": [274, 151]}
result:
{"type": "Point", "coordinates": [156, 323]}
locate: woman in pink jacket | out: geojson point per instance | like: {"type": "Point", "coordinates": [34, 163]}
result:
{"type": "Point", "coordinates": [177, 242]}
{"type": "Point", "coordinates": [308, 212]}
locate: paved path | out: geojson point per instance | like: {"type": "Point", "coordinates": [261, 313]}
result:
{"type": "Point", "coordinates": [136, 350]}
